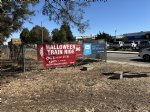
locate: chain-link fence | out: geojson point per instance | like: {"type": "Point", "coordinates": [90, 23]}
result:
{"type": "Point", "coordinates": [4, 52]}
{"type": "Point", "coordinates": [25, 57]}
{"type": "Point", "coordinates": [6, 66]}
{"type": "Point", "coordinates": [30, 60]}
{"type": "Point", "coordinates": [4, 56]}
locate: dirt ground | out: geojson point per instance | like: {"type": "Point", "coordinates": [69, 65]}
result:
{"type": "Point", "coordinates": [73, 90]}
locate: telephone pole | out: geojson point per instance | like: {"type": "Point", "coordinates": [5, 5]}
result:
{"type": "Point", "coordinates": [42, 31]}
{"type": "Point", "coordinates": [115, 35]}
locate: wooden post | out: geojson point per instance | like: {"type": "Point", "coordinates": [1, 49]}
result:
{"type": "Point", "coordinates": [1, 59]}
{"type": "Point", "coordinates": [23, 49]}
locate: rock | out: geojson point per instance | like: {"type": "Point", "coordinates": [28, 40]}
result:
{"type": "Point", "coordinates": [118, 75]}
{"type": "Point", "coordinates": [148, 74]}
{"type": "Point", "coordinates": [87, 67]}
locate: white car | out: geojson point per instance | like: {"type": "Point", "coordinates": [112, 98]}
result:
{"type": "Point", "coordinates": [145, 54]}
{"type": "Point", "coordinates": [134, 44]}
{"type": "Point", "coordinates": [129, 44]}
{"type": "Point", "coordinates": [117, 44]}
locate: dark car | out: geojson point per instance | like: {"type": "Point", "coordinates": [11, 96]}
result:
{"type": "Point", "coordinates": [144, 44]}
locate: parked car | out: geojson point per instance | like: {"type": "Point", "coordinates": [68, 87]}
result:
{"type": "Point", "coordinates": [144, 44]}
{"type": "Point", "coordinates": [145, 54]}
{"type": "Point", "coordinates": [136, 45]}
{"type": "Point", "coordinates": [117, 44]}
{"type": "Point", "coordinates": [129, 44]}
{"type": "Point", "coordinates": [107, 45]}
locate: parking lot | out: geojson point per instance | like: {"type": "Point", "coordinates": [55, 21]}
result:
{"type": "Point", "coordinates": [127, 57]}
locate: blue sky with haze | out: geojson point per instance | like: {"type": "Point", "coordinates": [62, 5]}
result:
{"type": "Point", "coordinates": [125, 16]}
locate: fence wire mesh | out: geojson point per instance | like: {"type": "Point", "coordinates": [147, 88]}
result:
{"type": "Point", "coordinates": [30, 58]}
{"type": "Point", "coordinates": [24, 58]}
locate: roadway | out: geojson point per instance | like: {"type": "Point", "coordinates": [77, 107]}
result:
{"type": "Point", "coordinates": [131, 58]}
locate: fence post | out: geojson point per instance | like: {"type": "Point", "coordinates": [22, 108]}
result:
{"type": "Point", "coordinates": [0, 60]}
{"type": "Point", "coordinates": [24, 67]}
{"type": "Point", "coordinates": [105, 52]}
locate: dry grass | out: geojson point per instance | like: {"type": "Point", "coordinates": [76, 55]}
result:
{"type": "Point", "coordinates": [73, 90]}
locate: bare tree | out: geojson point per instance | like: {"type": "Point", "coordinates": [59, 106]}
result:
{"type": "Point", "coordinates": [68, 11]}
{"type": "Point", "coordinates": [59, 11]}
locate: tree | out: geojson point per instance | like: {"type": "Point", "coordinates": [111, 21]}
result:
{"type": "Point", "coordinates": [59, 36]}
{"type": "Point", "coordinates": [48, 40]}
{"type": "Point", "coordinates": [25, 36]}
{"type": "Point", "coordinates": [2, 39]}
{"type": "Point", "coordinates": [68, 11]}
{"type": "Point", "coordinates": [55, 35]}
{"type": "Point", "coordinates": [69, 35]}
{"type": "Point", "coordinates": [13, 16]}
{"type": "Point", "coordinates": [59, 11]}
{"type": "Point", "coordinates": [62, 35]}
{"type": "Point", "coordinates": [36, 34]}
{"type": "Point", "coordinates": [103, 35]}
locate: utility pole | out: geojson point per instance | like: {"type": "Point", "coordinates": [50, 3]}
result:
{"type": "Point", "coordinates": [42, 39]}
{"type": "Point", "coordinates": [42, 31]}
{"type": "Point", "coordinates": [115, 35]}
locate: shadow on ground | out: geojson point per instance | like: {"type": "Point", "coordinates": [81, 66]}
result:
{"type": "Point", "coordinates": [112, 75]}
{"type": "Point", "coordinates": [140, 60]}
{"type": "Point", "coordinates": [85, 61]}
{"type": "Point", "coordinates": [9, 71]}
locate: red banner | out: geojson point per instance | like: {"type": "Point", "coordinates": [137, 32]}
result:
{"type": "Point", "coordinates": [40, 52]}
{"type": "Point", "coordinates": [79, 50]}
{"type": "Point", "coordinates": [59, 54]}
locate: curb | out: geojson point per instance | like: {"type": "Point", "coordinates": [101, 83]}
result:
{"type": "Point", "coordinates": [122, 52]}
{"type": "Point", "coordinates": [129, 63]}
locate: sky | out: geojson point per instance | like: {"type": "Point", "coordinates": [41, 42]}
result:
{"type": "Point", "coordinates": [124, 16]}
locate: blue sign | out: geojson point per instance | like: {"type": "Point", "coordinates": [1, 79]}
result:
{"type": "Point", "coordinates": [87, 49]}
{"type": "Point", "coordinates": [98, 48]}
{"type": "Point", "coordinates": [135, 38]}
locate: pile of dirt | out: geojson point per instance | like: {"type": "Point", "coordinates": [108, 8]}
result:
{"type": "Point", "coordinates": [72, 90]}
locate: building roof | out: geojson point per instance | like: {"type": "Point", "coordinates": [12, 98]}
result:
{"type": "Point", "coordinates": [16, 41]}
{"type": "Point", "coordinates": [82, 37]}
{"type": "Point", "coordinates": [137, 33]}
{"type": "Point", "coordinates": [118, 36]}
